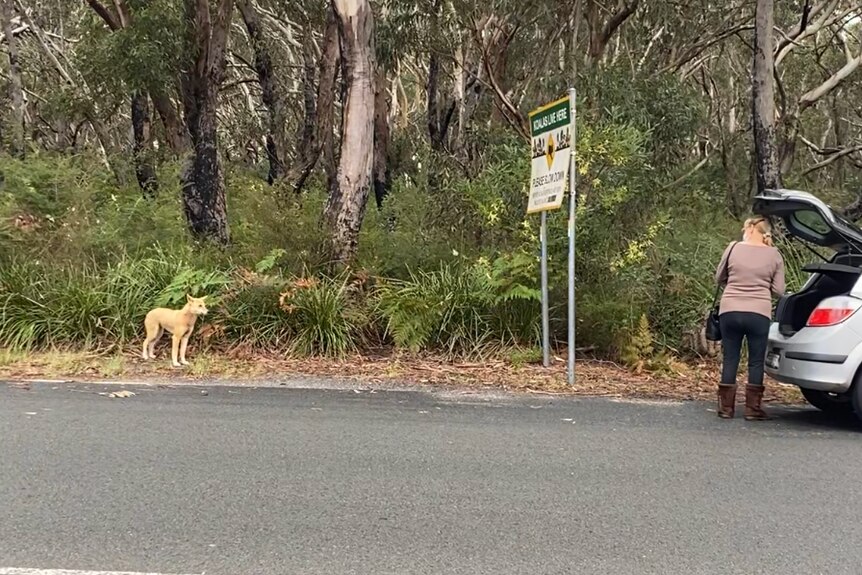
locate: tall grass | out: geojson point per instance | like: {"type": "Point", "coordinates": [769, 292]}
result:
{"type": "Point", "coordinates": [455, 310]}
{"type": "Point", "coordinates": [43, 305]}
{"type": "Point", "coordinates": [459, 311]}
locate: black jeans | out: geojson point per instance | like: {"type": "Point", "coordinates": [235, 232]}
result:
{"type": "Point", "coordinates": [755, 328]}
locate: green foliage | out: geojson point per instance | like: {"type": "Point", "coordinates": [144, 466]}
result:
{"type": "Point", "coordinates": [639, 348]}
{"type": "Point", "coordinates": [268, 262]}
{"type": "Point", "coordinates": [656, 105]}
{"type": "Point", "coordinates": [442, 309]}
{"type": "Point", "coordinates": [250, 314]}
{"type": "Point", "coordinates": [663, 158]}
{"type": "Point", "coordinates": [48, 306]}
{"type": "Point", "coordinates": [325, 318]}
{"type": "Point", "coordinates": [194, 282]}
{"type": "Point", "coordinates": [603, 319]}
{"type": "Point", "coordinates": [519, 357]}
{"type": "Point", "coordinates": [459, 310]}
{"type": "Point", "coordinates": [141, 56]}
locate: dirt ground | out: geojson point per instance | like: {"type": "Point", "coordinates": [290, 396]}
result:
{"type": "Point", "coordinates": [685, 381]}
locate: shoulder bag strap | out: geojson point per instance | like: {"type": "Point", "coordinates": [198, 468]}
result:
{"type": "Point", "coordinates": [726, 268]}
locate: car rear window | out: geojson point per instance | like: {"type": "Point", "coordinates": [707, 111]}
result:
{"type": "Point", "coordinates": [811, 222]}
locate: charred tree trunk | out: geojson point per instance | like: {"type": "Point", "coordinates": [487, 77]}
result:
{"type": "Point", "coordinates": [144, 169]}
{"type": "Point", "coordinates": [768, 175]}
{"type": "Point", "coordinates": [16, 86]}
{"type": "Point", "coordinates": [438, 120]}
{"type": "Point", "coordinates": [202, 181]}
{"type": "Point", "coordinates": [381, 137]}
{"type": "Point", "coordinates": [270, 95]}
{"type": "Point", "coordinates": [439, 116]}
{"type": "Point", "coordinates": [345, 209]}
{"type": "Point", "coordinates": [319, 115]}
{"type": "Point", "coordinates": [433, 109]}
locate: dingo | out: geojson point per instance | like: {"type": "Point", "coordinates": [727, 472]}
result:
{"type": "Point", "coordinates": [178, 322]}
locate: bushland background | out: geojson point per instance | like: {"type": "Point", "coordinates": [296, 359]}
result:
{"type": "Point", "coordinates": [348, 178]}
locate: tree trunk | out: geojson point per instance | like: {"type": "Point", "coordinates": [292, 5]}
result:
{"type": "Point", "coordinates": [840, 169]}
{"type": "Point", "coordinates": [381, 137]}
{"type": "Point", "coordinates": [768, 175]}
{"type": "Point", "coordinates": [204, 202]}
{"type": "Point", "coordinates": [175, 133]}
{"type": "Point", "coordinates": [433, 108]}
{"type": "Point", "coordinates": [602, 31]}
{"type": "Point", "coordinates": [459, 91]}
{"type": "Point", "coordinates": [203, 186]}
{"type": "Point", "coordinates": [573, 42]}
{"type": "Point", "coordinates": [270, 95]}
{"type": "Point", "coordinates": [345, 209]}
{"type": "Point", "coordinates": [436, 133]}
{"type": "Point", "coordinates": [308, 148]}
{"type": "Point", "coordinates": [144, 169]}
{"type": "Point", "coordinates": [323, 111]}
{"type": "Point", "coordinates": [16, 86]}
{"type": "Point", "coordinates": [106, 149]}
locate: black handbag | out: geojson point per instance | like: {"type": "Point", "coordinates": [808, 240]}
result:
{"type": "Point", "coordinates": [713, 325]}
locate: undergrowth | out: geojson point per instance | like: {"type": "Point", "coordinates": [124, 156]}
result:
{"type": "Point", "coordinates": [448, 265]}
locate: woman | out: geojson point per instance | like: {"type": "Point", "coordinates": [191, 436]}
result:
{"type": "Point", "coordinates": [751, 271]}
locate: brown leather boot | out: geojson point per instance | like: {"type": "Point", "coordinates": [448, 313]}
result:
{"type": "Point", "coordinates": [726, 401]}
{"type": "Point", "coordinates": [753, 398]}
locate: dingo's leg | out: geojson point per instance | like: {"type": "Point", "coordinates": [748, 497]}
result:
{"type": "Point", "coordinates": [183, 345]}
{"type": "Point", "coordinates": [175, 349]}
{"type": "Point", "coordinates": [154, 332]}
{"type": "Point", "coordinates": [151, 351]}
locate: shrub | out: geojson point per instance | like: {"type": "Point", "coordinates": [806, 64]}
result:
{"type": "Point", "coordinates": [460, 310]}
{"type": "Point", "coordinates": [324, 315]}
{"type": "Point", "coordinates": [249, 313]}
{"type": "Point", "coordinates": [46, 306]}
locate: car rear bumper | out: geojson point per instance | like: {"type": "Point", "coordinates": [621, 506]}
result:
{"type": "Point", "coordinates": [824, 359]}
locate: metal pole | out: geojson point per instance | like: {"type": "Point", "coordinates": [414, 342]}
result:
{"type": "Point", "coordinates": [572, 173]}
{"type": "Point", "coordinates": [546, 345]}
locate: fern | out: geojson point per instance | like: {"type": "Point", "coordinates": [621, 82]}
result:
{"type": "Point", "coordinates": [639, 350]}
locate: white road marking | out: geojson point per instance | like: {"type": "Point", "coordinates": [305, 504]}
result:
{"type": "Point", "coordinates": [16, 571]}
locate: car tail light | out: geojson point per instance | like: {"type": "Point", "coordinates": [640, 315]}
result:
{"type": "Point", "coordinates": [833, 311]}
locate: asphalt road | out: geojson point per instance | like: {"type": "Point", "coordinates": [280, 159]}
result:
{"type": "Point", "coordinates": [276, 481]}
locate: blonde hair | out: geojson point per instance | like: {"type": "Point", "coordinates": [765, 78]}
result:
{"type": "Point", "coordinates": [763, 226]}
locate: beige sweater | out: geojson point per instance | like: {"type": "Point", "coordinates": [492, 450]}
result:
{"type": "Point", "coordinates": [754, 274]}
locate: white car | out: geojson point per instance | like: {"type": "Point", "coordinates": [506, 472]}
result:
{"type": "Point", "coordinates": [816, 340]}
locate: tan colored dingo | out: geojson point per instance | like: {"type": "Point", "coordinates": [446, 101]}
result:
{"type": "Point", "coordinates": [178, 322]}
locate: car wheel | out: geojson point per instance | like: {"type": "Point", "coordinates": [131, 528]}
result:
{"type": "Point", "coordinates": [855, 394]}
{"type": "Point", "coordinates": [832, 403]}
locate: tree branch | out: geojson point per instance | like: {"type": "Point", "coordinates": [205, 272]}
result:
{"type": "Point", "coordinates": [832, 159]}
{"type": "Point", "coordinates": [44, 44]}
{"type": "Point", "coordinates": [105, 14]}
{"type": "Point", "coordinates": [699, 48]}
{"type": "Point", "coordinates": [794, 39]}
{"type": "Point", "coordinates": [514, 116]}
{"type": "Point", "coordinates": [618, 18]}
{"type": "Point", "coordinates": [812, 96]}
{"type": "Point", "coordinates": [122, 13]}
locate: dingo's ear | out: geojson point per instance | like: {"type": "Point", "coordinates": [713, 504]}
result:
{"type": "Point", "coordinates": [203, 298]}
{"type": "Point", "coordinates": [189, 298]}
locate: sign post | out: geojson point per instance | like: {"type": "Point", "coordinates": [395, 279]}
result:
{"type": "Point", "coordinates": [551, 137]}
{"type": "Point", "coordinates": [570, 372]}
{"type": "Point", "coordinates": [546, 330]}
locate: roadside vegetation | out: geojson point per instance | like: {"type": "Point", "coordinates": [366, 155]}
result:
{"type": "Point", "coordinates": [111, 202]}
